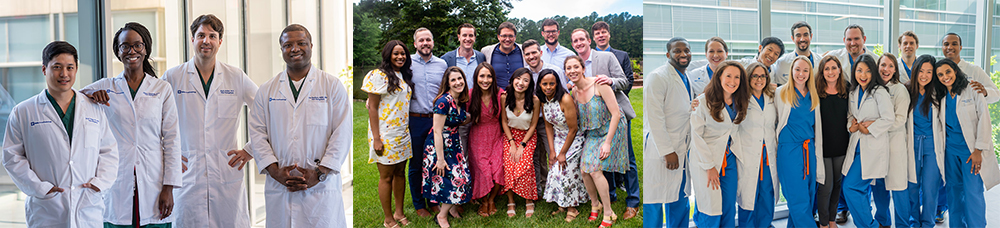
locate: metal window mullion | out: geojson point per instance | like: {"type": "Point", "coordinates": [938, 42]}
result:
{"type": "Point", "coordinates": [764, 14]}
{"type": "Point", "coordinates": [890, 21]}
{"type": "Point", "coordinates": [93, 24]}
{"type": "Point", "coordinates": [984, 21]}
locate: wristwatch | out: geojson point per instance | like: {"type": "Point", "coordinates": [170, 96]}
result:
{"type": "Point", "coordinates": [524, 144]}
{"type": "Point", "coordinates": [320, 175]}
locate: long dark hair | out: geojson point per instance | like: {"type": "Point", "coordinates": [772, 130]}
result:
{"type": "Point", "coordinates": [387, 67]}
{"type": "Point", "coordinates": [147, 42]}
{"type": "Point", "coordinates": [559, 87]}
{"type": "Point", "coordinates": [716, 98]}
{"type": "Point", "coordinates": [476, 100]}
{"type": "Point", "coordinates": [892, 59]}
{"type": "Point", "coordinates": [961, 81]}
{"type": "Point", "coordinates": [876, 79]}
{"type": "Point", "coordinates": [929, 91]}
{"type": "Point", "coordinates": [463, 97]}
{"type": "Point", "coordinates": [528, 101]}
{"type": "Point", "coordinates": [821, 74]}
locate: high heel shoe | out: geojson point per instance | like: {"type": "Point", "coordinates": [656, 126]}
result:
{"type": "Point", "coordinates": [594, 211]}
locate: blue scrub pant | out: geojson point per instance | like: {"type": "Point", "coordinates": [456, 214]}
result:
{"type": "Point", "coordinates": [942, 204]}
{"type": "Point", "coordinates": [728, 184]}
{"type": "Point", "coordinates": [856, 191]}
{"type": "Point", "coordinates": [965, 192]}
{"type": "Point", "coordinates": [419, 128]}
{"type": "Point", "coordinates": [630, 179]}
{"type": "Point", "coordinates": [923, 194]}
{"type": "Point", "coordinates": [800, 188]}
{"type": "Point", "coordinates": [900, 201]}
{"type": "Point", "coordinates": [670, 215]}
{"type": "Point", "coordinates": [842, 204]}
{"type": "Point", "coordinates": [763, 209]}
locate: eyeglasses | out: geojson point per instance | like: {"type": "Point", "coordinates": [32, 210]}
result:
{"type": "Point", "coordinates": [550, 31]}
{"type": "Point", "coordinates": [137, 47]}
{"type": "Point", "coordinates": [756, 76]}
{"type": "Point", "coordinates": [507, 36]}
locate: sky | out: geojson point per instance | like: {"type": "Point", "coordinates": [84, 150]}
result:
{"type": "Point", "coordinates": [539, 9]}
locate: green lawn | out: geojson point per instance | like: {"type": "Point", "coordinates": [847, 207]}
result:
{"type": "Point", "coordinates": [368, 212]}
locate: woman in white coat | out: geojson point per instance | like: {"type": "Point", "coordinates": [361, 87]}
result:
{"type": "Point", "coordinates": [968, 147]}
{"type": "Point", "coordinates": [901, 166]}
{"type": "Point", "coordinates": [716, 51]}
{"type": "Point", "coordinates": [714, 172]}
{"type": "Point", "coordinates": [757, 192]}
{"type": "Point", "coordinates": [869, 118]}
{"type": "Point", "coordinates": [800, 142]}
{"type": "Point", "coordinates": [144, 121]}
{"type": "Point", "coordinates": [925, 141]}
{"type": "Point", "coordinates": [59, 150]}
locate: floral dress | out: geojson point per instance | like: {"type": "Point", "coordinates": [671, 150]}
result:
{"type": "Point", "coordinates": [520, 176]}
{"type": "Point", "coordinates": [454, 187]}
{"type": "Point", "coordinates": [594, 117]}
{"type": "Point", "coordinates": [486, 151]}
{"type": "Point", "coordinates": [393, 119]}
{"type": "Point", "coordinates": [565, 186]}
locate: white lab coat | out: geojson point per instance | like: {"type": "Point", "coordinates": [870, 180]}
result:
{"type": "Point", "coordinates": [665, 133]}
{"type": "Point", "coordinates": [845, 62]}
{"type": "Point", "coordinates": [902, 166]}
{"type": "Point", "coordinates": [698, 78]}
{"type": "Point", "coordinates": [756, 129]}
{"type": "Point", "coordinates": [38, 155]}
{"type": "Point", "coordinates": [903, 76]}
{"type": "Point", "coordinates": [783, 67]}
{"type": "Point", "coordinates": [315, 127]}
{"type": "Point", "coordinates": [875, 105]}
{"type": "Point", "coordinates": [146, 130]}
{"type": "Point", "coordinates": [708, 149]}
{"type": "Point", "coordinates": [938, 130]}
{"type": "Point", "coordinates": [975, 121]}
{"type": "Point", "coordinates": [213, 194]}
{"type": "Point", "coordinates": [784, 110]}
{"type": "Point", "coordinates": [974, 73]}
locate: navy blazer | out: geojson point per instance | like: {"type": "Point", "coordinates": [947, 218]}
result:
{"type": "Point", "coordinates": [450, 57]}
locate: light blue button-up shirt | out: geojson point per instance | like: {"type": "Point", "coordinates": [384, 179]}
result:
{"type": "Point", "coordinates": [426, 82]}
{"type": "Point", "coordinates": [468, 67]}
{"type": "Point", "coordinates": [545, 65]}
{"type": "Point", "coordinates": [555, 57]}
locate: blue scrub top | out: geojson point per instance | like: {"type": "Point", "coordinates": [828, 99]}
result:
{"type": "Point", "coordinates": [922, 121]}
{"type": "Point", "coordinates": [687, 85]}
{"type": "Point", "coordinates": [760, 100]}
{"type": "Point", "coordinates": [954, 140]}
{"type": "Point", "coordinates": [801, 121]}
{"type": "Point", "coordinates": [732, 116]}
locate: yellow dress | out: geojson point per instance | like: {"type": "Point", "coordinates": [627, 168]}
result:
{"type": "Point", "coordinates": [393, 118]}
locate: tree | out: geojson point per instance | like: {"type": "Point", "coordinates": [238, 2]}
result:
{"type": "Point", "coordinates": [400, 18]}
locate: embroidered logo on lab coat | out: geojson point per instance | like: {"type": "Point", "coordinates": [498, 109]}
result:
{"type": "Point", "coordinates": [227, 91]}
{"type": "Point", "coordinates": [183, 92]}
{"type": "Point", "coordinates": [276, 99]}
{"type": "Point", "coordinates": [92, 120]}
{"type": "Point", "coordinates": [322, 98]}
{"type": "Point", "coordinates": [40, 122]}
{"type": "Point", "coordinates": [150, 94]}
{"type": "Point", "coordinates": [113, 92]}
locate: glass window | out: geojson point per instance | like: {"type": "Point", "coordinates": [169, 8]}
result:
{"type": "Point", "coordinates": [25, 38]}
{"type": "Point", "coordinates": [930, 20]}
{"type": "Point", "coordinates": [734, 21]}
{"type": "Point", "coordinates": [828, 20]}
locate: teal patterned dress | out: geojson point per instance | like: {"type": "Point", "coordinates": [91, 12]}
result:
{"type": "Point", "coordinates": [595, 122]}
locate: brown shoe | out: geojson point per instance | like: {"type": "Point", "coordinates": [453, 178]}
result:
{"type": "Point", "coordinates": [423, 213]}
{"type": "Point", "coordinates": [630, 212]}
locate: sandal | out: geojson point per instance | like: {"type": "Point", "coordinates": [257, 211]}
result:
{"type": "Point", "coordinates": [561, 210]}
{"type": "Point", "coordinates": [529, 212]}
{"type": "Point", "coordinates": [483, 210]}
{"type": "Point", "coordinates": [403, 221]}
{"type": "Point", "coordinates": [608, 221]}
{"type": "Point", "coordinates": [510, 210]}
{"type": "Point", "coordinates": [570, 216]}
{"type": "Point", "coordinates": [594, 211]}
{"type": "Point", "coordinates": [386, 225]}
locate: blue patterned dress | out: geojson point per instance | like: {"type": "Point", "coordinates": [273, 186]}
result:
{"type": "Point", "coordinates": [455, 187]}
{"type": "Point", "coordinates": [594, 121]}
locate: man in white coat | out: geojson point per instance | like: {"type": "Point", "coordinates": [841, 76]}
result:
{"type": "Point", "coordinates": [209, 96]}
{"type": "Point", "coordinates": [908, 44]}
{"type": "Point", "coordinates": [854, 46]}
{"type": "Point", "coordinates": [667, 93]}
{"type": "Point", "coordinates": [300, 135]}
{"type": "Point", "coordinates": [951, 46]}
{"type": "Point", "coordinates": [59, 150]}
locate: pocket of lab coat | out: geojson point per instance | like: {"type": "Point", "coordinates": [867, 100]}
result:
{"type": "Point", "coordinates": [91, 205]}
{"type": "Point", "coordinates": [228, 107]}
{"type": "Point", "coordinates": [148, 108]}
{"type": "Point", "coordinates": [50, 209]}
{"type": "Point", "coordinates": [92, 140]}
{"type": "Point", "coordinates": [317, 113]}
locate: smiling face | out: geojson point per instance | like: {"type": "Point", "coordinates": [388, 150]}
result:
{"type": "Point", "coordinates": [908, 46]}
{"type": "Point", "coordinates": [521, 83]}
{"type": "Point", "coordinates": [296, 49]}
{"type": "Point", "coordinates": [716, 53]}
{"type": "Point", "coordinates": [551, 34]}
{"type": "Point", "coordinates": [456, 83]}
{"type": "Point", "coordinates": [802, 38]}
{"type": "Point", "coordinates": [862, 74]}
{"type": "Point", "coordinates": [484, 79]}
{"type": "Point", "coordinates": [207, 42]}
{"type": "Point", "coordinates": [758, 79]}
{"type": "Point", "coordinates": [951, 47]}
{"type": "Point", "coordinates": [946, 75]}
{"type": "Point", "coordinates": [769, 54]}
{"type": "Point", "coordinates": [800, 73]}
{"type": "Point", "coordinates": [130, 57]}
{"type": "Point", "coordinates": [466, 37]}
{"type": "Point", "coordinates": [831, 72]}
{"type": "Point", "coordinates": [506, 38]}
{"type": "Point", "coordinates": [730, 80]}
{"type": "Point", "coordinates": [581, 43]}
{"type": "Point", "coordinates": [60, 74]}
{"type": "Point", "coordinates": [602, 37]}
{"type": "Point", "coordinates": [548, 85]}
{"type": "Point", "coordinates": [574, 70]}
{"type": "Point", "coordinates": [886, 68]}
{"type": "Point", "coordinates": [398, 57]}
{"type": "Point", "coordinates": [680, 54]}
{"type": "Point", "coordinates": [532, 56]}
{"type": "Point", "coordinates": [925, 74]}
{"type": "Point", "coordinates": [854, 41]}
{"type": "Point", "coordinates": [424, 42]}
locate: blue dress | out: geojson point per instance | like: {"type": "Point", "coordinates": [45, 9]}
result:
{"type": "Point", "coordinates": [455, 186]}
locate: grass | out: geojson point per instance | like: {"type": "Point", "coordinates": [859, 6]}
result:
{"type": "Point", "coordinates": [368, 211]}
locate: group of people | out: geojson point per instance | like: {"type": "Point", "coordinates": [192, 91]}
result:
{"type": "Point", "coordinates": [71, 150]}
{"type": "Point", "coordinates": [845, 127]}
{"type": "Point", "coordinates": [533, 121]}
